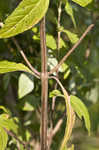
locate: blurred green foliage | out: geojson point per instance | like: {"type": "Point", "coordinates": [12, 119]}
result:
{"type": "Point", "coordinates": [82, 79]}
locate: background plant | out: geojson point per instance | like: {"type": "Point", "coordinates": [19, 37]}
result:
{"type": "Point", "coordinates": [80, 71]}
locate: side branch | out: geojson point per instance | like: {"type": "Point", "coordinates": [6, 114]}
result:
{"type": "Point", "coordinates": [71, 50]}
{"type": "Point", "coordinates": [17, 139]}
{"type": "Point", "coordinates": [35, 72]}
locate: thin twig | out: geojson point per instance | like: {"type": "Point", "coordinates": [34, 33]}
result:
{"type": "Point", "coordinates": [71, 50]}
{"type": "Point", "coordinates": [36, 73]}
{"type": "Point", "coordinates": [57, 127]}
{"type": "Point", "coordinates": [53, 132]}
{"type": "Point", "coordinates": [17, 139]}
{"type": "Point", "coordinates": [59, 33]}
{"type": "Point", "coordinates": [58, 48]}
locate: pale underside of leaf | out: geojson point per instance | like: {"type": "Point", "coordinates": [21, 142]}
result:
{"type": "Point", "coordinates": [24, 17]}
{"type": "Point", "coordinates": [26, 85]}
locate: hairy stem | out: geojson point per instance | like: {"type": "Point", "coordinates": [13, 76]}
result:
{"type": "Point", "coordinates": [44, 84]}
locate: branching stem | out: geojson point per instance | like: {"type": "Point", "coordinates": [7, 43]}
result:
{"type": "Point", "coordinates": [71, 50]}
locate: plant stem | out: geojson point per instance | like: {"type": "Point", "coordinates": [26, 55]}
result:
{"type": "Point", "coordinates": [59, 33]}
{"type": "Point", "coordinates": [58, 49]}
{"type": "Point", "coordinates": [44, 84]}
{"type": "Point", "coordinates": [35, 72]}
{"type": "Point", "coordinates": [71, 50]}
{"type": "Point", "coordinates": [17, 139]}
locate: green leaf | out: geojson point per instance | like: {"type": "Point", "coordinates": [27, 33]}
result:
{"type": "Point", "coordinates": [63, 44]}
{"type": "Point", "coordinates": [63, 67]}
{"type": "Point", "coordinates": [67, 71]}
{"type": "Point", "coordinates": [28, 107]}
{"type": "Point", "coordinates": [6, 66]}
{"type": "Point", "coordinates": [82, 3]}
{"type": "Point", "coordinates": [70, 120]}
{"type": "Point", "coordinates": [3, 139]}
{"type": "Point", "coordinates": [55, 93]}
{"type": "Point", "coordinates": [72, 36]}
{"type": "Point", "coordinates": [26, 85]}
{"type": "Point", "coordinates": [81, 110]}
{"type": "Point", "coordinates": [25, 16]}
{"type": "Point", "coordinates": [4, 109]}
{"type": "Point", "coordinates": [70, 12]}
{"type": "Point", "coordinates": [50, 42]}
{"type": "Point", "coordinates": [7, 123]}
{"type": "Point", "coordinates": [70, 117]}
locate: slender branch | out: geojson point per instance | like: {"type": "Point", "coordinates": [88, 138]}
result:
{"type": "Point", "coordinates": [58, 48]}
{"type": "Point", "coordinates": [59, 33]}
{"type": "Point", "coordinates": [17, 139]}
{"type": "Point", "coordinates": [71, 50]}
{"type": "Point", "coordinates": [70, 115]}
{"type": "Point", "coordinates": [57, 127]}
{"type": "Point", "coordinates": [44, 83]}
{"type": "Point", "coordinates": [36, 73]}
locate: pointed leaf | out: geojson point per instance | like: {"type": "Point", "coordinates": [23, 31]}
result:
{"type": "Point", "coordinates": [55, 93]}
{"type": "Point", "coordinates": [3, 139]}
{"type": "Point", "coordinates": [24, 17]}
{"type": "Point", "coordinates": [81, 110]}
{"type": "Point", "coordinates": [6, 66]}
{"type": "Point", "coordinates": [82, 3]}
{"type": "Point", "coordinates": [26, 85]}
{"type": "Point", "coordinates": [70, 12]}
